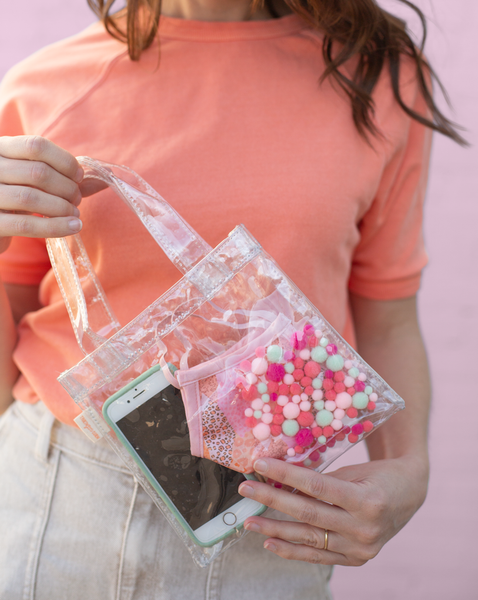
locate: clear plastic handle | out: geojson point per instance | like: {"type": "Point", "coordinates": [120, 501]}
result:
{"type": "Point", "coordinates": [91, 315]}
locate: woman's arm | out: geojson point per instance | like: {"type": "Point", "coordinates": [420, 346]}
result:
{"type": "Point", "coordinates": [361, 506]}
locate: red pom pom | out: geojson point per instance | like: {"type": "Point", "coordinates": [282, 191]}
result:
{"type": "Point", "coordinates": [283, 390]}
{"type": "Point", "coordinates": [328, 431]}
{"type": "Point", "coordinates": [273, 386]}
{"type": "Point", "coordinates": [312, 369]}
{"type": "Point", "coordinates": [367, 426]}
{"type": "Point", "coordinates": [250, 394]}
{"type": "Point", "coordinates": [322, 448]}
{"type": "Point", "coordinates": [251, 422]}
{"type": "Point", "coordinates": [331, 443]}
{"type": "Point", "coordinates": [352, 412]}
{"type": "Point", "coordinates": [357, 429]}
{"type": "Point", "coordinates": [278, 419]}
{"type": "Point", "coordinates": [309, 390]}
{"type": "Point", "coordinates": [328, 384]}
{"type": "Point", "coordinates": [371, 406]}
{"type": "Point", "coordinates": [305, 382]}
{"type": "Point", "coordinates": [312, 341]}
{"type": "Point", "coordinates": [275, 372]}
{"type": "Point", "coordinates": [339, 387]}
{"type": "Point", "coordinates": [298, 374]}
{"type": "Point", "coordinates": [340, 437]}
{"type": "Point", "coordinates": [346, 430]}
{"type": "Point", "coordinates": [276, 430]}
{"type": "Point", "coordinates": [353, 438]}
{"type": "Point", "coordinates": [298, 363]}
{"type": "Point", "coordinates": [317, 431]}
{"type": "Point", "coordinates": [331, 395]}
{"type": "Point", "coordinates": [314, 456]}
{"type": "Point", "coordinates": [339, 376]}
{"type": "Point", "coordinates": [299, 450]}
{"type": "Point", "coordinates": [305, 419]}
{"type": "Point", "coordinates": [278, 409]}
{"type": "Point", "coordinates": [295, 389]}
{"type": "Point", "coordinates": [351, 391]}
{"type": "Point", "coordinates": [359, 386]}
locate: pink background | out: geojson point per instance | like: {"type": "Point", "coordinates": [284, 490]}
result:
{"type": "Point", "coordinates": [435, 555]}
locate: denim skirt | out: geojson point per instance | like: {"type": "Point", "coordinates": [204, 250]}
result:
{"type": "Point", "coordinates": [75, 525]}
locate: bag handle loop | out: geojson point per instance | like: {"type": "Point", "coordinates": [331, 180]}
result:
{"type": "Point", "coordinates": [90, 313]}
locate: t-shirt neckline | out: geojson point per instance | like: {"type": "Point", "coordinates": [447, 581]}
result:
{"type": "Point", "coordinates": [224, 31]}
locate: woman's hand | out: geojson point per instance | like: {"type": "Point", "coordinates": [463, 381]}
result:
{"type": "Point", "coordinates": [37, 178]}
{"type": "Point", "coordinates": [361, 506]}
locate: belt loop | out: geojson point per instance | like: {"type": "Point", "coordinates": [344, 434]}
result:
{"type": "Point", "coordinates": [42, 445]}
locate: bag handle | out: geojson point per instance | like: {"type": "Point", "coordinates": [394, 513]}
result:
{"type": "Point", "coordinates": [90, 313]}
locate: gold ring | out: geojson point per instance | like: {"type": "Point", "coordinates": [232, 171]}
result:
{"type": "Point", "coordinates": [326, 539]}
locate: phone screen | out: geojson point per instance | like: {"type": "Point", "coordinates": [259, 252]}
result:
{"type": "Point", "coordinates": [199, 488]}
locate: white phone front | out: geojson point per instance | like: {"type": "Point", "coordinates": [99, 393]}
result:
{"type": "Point", "coordinates": [149, 417]}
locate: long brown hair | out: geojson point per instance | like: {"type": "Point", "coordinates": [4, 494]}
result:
{"type": "Point", "coordinates": [351, 28]}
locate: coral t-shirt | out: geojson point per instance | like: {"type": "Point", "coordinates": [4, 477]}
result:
{"type": "Point", "coordinates": [230, 124]}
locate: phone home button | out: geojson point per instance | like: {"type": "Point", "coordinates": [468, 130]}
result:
{"type": "Point", "coordinates": [229, 518]}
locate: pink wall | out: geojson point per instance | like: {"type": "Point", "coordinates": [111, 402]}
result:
{"type": "Point", "coordinates": [434, 556]}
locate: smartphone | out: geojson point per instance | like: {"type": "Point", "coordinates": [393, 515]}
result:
{"type": "Point", "coordinates": [148, 417]}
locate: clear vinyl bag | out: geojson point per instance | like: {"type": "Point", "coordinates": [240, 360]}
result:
{"type": "Point", "coordinates": [260, 370]}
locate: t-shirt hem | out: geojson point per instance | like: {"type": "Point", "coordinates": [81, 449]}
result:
{"type": "Point", "coordinates": [386, 290]}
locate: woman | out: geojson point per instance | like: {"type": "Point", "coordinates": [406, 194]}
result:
{"type": "Point", "coordinates": [231, 126]}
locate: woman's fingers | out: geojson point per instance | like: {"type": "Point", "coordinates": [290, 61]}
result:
{"type": "Point", "coordinates": [32, 200]}
{"type": "Point", "coordinates": [31, 226]}
{"type": "Point", "coordinates": [36, 148]}
{"type": "Point", "coordinates": [39, 175]}
{"type": "Point", "coordinates": [323, 487]}
{"type": "Point", "coordinates": [304, 509]}
{"type": "Point", "coordinates": [305, 553]}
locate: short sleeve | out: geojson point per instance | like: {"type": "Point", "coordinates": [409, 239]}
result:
{"type": "Point", "coordinates": [390, 255]}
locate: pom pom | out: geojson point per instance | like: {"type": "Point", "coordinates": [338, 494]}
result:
{"type": "Point", "coordinates": [245, 366]}
{"type": "Point", "coordinates": [282, 400]}
{"type": "Point", "coordinates": [260, 352]}
{"type": "Point", "coordinates": [299, 340]}
{"type": "Point", "coordinates": [352, 413]}
{"type": "Point", "coordinates": [267, 418]}
{"type": "Point", "coordinates": [289, 379]}
{"type": "Point", "coordinates": [257, 404]}
{"type": "Point", "coordinates": [330, 405]}
{"type": "Point", "coordinates": [278, 419]}
{"type": "Point", "coordinates": [339, 387]}
{"type": "Point", "coordinates": [312, 369]}
{"type": "Point", "coordinates": [362, 377]}
{"type": "Point", "coordinates": [373, 397]}
{"type": "Point", "coordinates": [308, 329]}
{"type": "Point", "coordinates": [309, 390]}
{"type": "Point", "coordinates": [274, 353]}
{"type": "Point", "coordinates": [305, 382]}
{"type": "Point", "coordinates": [272, 386]}
{"type": "Point", "coordinates": [324, 417]}
{"type": "Point", "coordinates": [367, 426]}
{"type": "Point", "coordinates": [305, 406]}
{"type": "Point", "coordinates": [304, 438]}
{"type": "Point", "coordinates": [330, 395]}
{"type": "Point", "coordinates": [352, 438]}
{"type": "Point", "coordinates": [317, 432]}
{"type": "Point", "coordinates": [275, 372]}
{"type": "Point", "coordinates": [283, 390]}
{"type": "Point", "coordinates": [278, 409]}
{"type": "Point", "coordinates": [273, 397]}
{"type": "Point", "coordinates": [251, 378]}
{"type": "Point", "coordinates": [343, 400]}
{"type": "Point", "coordinates": [291, 411]}
{"type": "Point", "coordinates": [276, 430]}
{"type": "Point", "coordinates": [290, 427]}
{"type": "Point", "coordinates": [349, 381]}
{"type": "Point", "coordinates": [357, 429]}
{"type": "Point", "coordinates": [314, 456]}
{"type": "Point", "coordinates": [249, 394]}
{"type": "Point", "coordinates": [261, 431]}
{"type": "Point", "coordinates": [291, 452]}
{"type": "Point", "coordinates": [328, 384]}
{"type": "Point", "coordinates": [328, 431]}
{"type": "Point", "coordinates": [295, 389]}
{"type": "Point", "coordinates": [298, 374]}
{"type": "Point", "coordinates": [360, 400]}
{"type": "Point", "coordinates": [288, 355]}
{"type": "Point", "coordinates": [359, 386]}
{"type": "Point", "coordinates": [305, 419]}
{"type": "Point", "coordinates": [335, 362]}
{"type": "Point", "coordinates": [259, 366]}
{"type": "Point", "coordinates": [312, 341]}
{"type": "Point", "coordinates": [299, 363]}
{"type": "Point", "coordinates": [336, 424]}
{"type": "Point", "coordinates": [371, 406]}
{"type": "Point", "coordinates": [340, 437]}
{"type": "Point", "coordinates": [331, 443]}
{"type": "Point", "coordinates": [248, 412]}
{"type": "Point", "coordinates": [299, 450]}
{"type": "Point", "coordinates": [305, 354]}
{"type": "Point", "coordinates": [339, 376]}
{"type": "Point", "coordinates": [331, 349]}
{"type": "Point", "coordinates": [251, 422]}
{"type": "Point", "coordinates": [319, 354]}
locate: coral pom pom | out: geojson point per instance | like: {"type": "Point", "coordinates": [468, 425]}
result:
{"type": "Point", "coordinates": [313, 341]}
{"type": "Point", "coordinates": [299, 450]}
{"type": "Point", "coordinates": [245, 366]}
{"type": "Point", "coordinates": [309, 390]}
{"type": "Point", "coordinates": [328, 384]}
{"type": "Point", "coordinates": [312, 369]}
{"type": "Point", "coordinates": [272, 387]}
{"type": "Point", "coordinates": [339, 387]}
{"type": "Point", "coordinates": [278, 419]}
{"type": "Point", "coordinates": [251, 422]}
{"type": "Point", "coordinates": [352, 412]}
{"type": "Point", "coordinates": [371, 406]}
{"type": "Point", "coordinates": [250, 394]}
{"type": "Point", "coordinates": [298, 374]}
{"type": "Point", "coordinates": [298, 363]}
{"type": "Point", "coordinates": [317, 432]}
{"type": "Point", "coordinates": [331, 395]}
{"type": "Point", "coordinates": [276, 430]}
{"type": "Point", "coordinates": [283, 390]}
{"type": "Point", "coordinates": [367, 426]}
{"type": "Point", "coordinates": [305, 419]}
{"type": "Point", "coordinates": [275, 372]}
{"type": "Point", "coordinates": [339, 376]}
{"type": "Point", "coordinates": [328, 431]}
{"type": "Point", "coordinates": [260, 352]}
{"type": "Point", "coordinates": [352, 438]}
{"type": "Point", "coordinates": [295, 389]}
{"type": "Point", "coordinates": [304, 438]}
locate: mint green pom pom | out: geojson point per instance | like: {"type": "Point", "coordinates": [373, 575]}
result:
{"type": "Point", "coordinates": [335, 362]}
{"type": "Point", "coordinates": [290, 427]}
{"type": "Point", "coordinates": [307, 462]}
{"type": "Point", "coordinates": [359, 400]}
{"type": "Point", "coordinates": [318, 354]}
{"type": "Point", "coordinates": [274, 353]}
{"type": "Point", "coordinates": [265, 397]}
{"type": "Point", "coordinates": [262, 387]}
{"type": "Point", "coordinates": [317, 383]}
{"type": "Point", "coordinates": [322, 439]}
{"type": "Point", "coordinates": [354, 372]}
{"type": "Point", "coordinates": [324, 418]}
{"type": "Point", "coordinates": [258, 414]}
{"type": "Point", "coordinates": [289, 367]}
{"type": "Point", "coordinates": [319, 404]}
{"type": "Point", "coordinates": [324, 342]}
{"type": "Point", "coordinates": [368, 390]}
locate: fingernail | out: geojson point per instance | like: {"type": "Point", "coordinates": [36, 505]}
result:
{"type": "Point", "coordinates": [252, 527]}
{"type": "Point", "coordinates": [79, 175]}
{"type": "Point", "coordinates": [260, 466]}
{"type": "Point", "coordinates": [246, 490]}
{"type": "Point", "coordinates": [270, 546]}
{"type": "Point", "coordinates": [75, 224]}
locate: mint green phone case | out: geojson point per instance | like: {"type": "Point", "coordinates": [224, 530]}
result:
{"type": "Point", "coordinates": [119, 434]}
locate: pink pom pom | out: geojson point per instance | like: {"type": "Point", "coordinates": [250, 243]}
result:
{"type": "Point", "coordinates": [250, 393]}
{"type": "Point", "coordinates": [331, 349]}
{"type": "Point", "coordinates": [299, 340]}
{"type": "Point", "coordinates": [260, 352]}
{"type": "Point", "coordinates": [304, 438]}
{"type": "Point", "coordinates": [357, 429]}
{"type": "Point", "coordinates": [245, 366]}
{"type": "Point", "coordinates": [313, 341]}
{"type": "Point", "coordinates": [308, 329]}
{"type": "Point", "coordinates": [275, 372]}
{"type": "Point", "coordinates": [359, 386]}
{"type": "Point", "coordinates": [328, 374]}
{"type": "Point", "coordinates": [274, 397]}
{"type": "Point", "coordinates": [298, 363]}
{"type": "Point", "coordinates": [314, 456]}
{"type": "Point", "coordinates": [288, 355]}
{"type": "Point", "coordinates": [298, 374]}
